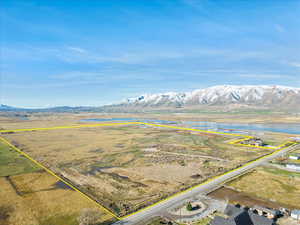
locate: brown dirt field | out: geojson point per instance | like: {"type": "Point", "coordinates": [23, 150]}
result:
{"type": "Point", "coordinates": [236, 197]}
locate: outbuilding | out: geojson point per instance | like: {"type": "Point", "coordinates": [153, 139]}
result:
{"type": "Point", "coordinates": [293, 166]}
{"type": "Point", "coordinates": [295, 214]}
{"type": "Point", "coordinates": [269, 213]}
{"type": "Point", "coordinates": [295, 156]}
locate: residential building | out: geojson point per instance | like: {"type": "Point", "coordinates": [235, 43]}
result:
{"type": "Point", "coordinates": [263, 211]}
{"type": "Point", "coordinates": [296, 139]}
{"type": "Point", "coordinates": [239, 216]}
{"type": "Point", "coordinates": [293, 166]}
{"type": "Point", "coordinates": [253, 141]}
{"type": "Point", "coordinates": [295, 156]}
{"type": "Point", "coordinates": [295, 214]}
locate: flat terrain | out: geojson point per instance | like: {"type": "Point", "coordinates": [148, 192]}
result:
{"type": "Point", "coordinates": [126, 168]}
{"type": "Point", "coordinates": [13, 164]}
{"type": "Point", "coordinates": [282, 161]}
{"type": "Point", "coordinates": [27, 120]}
{"type": "Point", "coordinates": [30, 196]}
{"type": "Point", "coordinates": [279, 186]}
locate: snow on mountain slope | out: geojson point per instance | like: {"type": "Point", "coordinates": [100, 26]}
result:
{"type": "Point", "coordinates": [225, 94]}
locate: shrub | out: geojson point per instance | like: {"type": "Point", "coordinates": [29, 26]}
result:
{"type": "Point", "coordinates": [189, 207]}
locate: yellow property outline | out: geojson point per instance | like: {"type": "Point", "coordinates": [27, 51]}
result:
{"type": "Point", "coordinates": [234, 142]}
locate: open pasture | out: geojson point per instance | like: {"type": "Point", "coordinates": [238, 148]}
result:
{"type": "Point", "coordinates": [277, 185]}
{"type": "Point", "coordinates": [30, 196]}
{"type": "Point", "coordinates": [126, 168]}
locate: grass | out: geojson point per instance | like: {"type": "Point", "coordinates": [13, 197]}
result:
{"type": "Point", "coordinates": [157, 221]}
{"type": "Point", "coordinates": [286, 187]}
{"type": "Point", "coordinates": [273, 184]}
{"type": "Point", "coordinates": [12, 163]}
{"type": "Point", "coordinates": [134, 177]}
{"type": "Point", "coordinates": [204, 221]}
{"type": "Point", "coordinates": [41, 202]}
{"type": "Point", "coordinates": [33, 196]}
{"type": "Point", "coordinates": [61, 219]}
{"type": "Point", "coordinates": [281, 172]}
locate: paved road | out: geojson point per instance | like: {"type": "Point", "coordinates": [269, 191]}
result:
{"type": "Point", "coordinates": [203, 189]}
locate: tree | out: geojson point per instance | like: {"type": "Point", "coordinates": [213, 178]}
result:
{"type": "Point", "coordinates": [88, 217]}
{"type": "Point", "coordinates": [189, 207]}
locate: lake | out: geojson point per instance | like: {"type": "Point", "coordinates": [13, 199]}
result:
{"type": "Point", "coordinates": [222, 127]}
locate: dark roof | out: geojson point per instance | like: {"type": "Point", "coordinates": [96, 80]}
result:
{"type": "Point", "coordinates": [222, 221]}
{"type": "Point", "coordinates": [260, 220]}
{"type": "Point", "coordinates": [243, 219]}
{"type": "Point", "coordinates": [232, 210]}
{"type": "Point", "coordinates": [240, 216]}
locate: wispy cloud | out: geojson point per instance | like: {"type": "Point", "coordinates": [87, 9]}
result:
{"type": "Point", "coordinates": [279, 28]}
{"type": "Point", "coordinates": [77, 49]}
{"type": "Point", "coordinates": [294, 64]}
{"type": "Point", "coordinates": [76, 54]}
{"type": "Point", "coordinates": [265, 76]}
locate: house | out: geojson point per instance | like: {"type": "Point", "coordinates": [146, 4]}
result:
{"type": "Point", "coordinates": [295, 156]}
{"type": "Point", "coordinates": [296, 139]}
{"type": "Point", "coordinates": [239, 216]}
{"type": "Point", "coordinates": [269, 213]}
{"type": "Point", "coordinates": [295, 214]}
{"type": "Point", "coordinates": [253, 141]}
{"type": "Point", "coordinates": [293, 166]}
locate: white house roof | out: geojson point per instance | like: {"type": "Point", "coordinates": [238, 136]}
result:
{"type": "Point", "coordinates": [296, 212]}
{"type": "Point", "coordinates": [293, 165]}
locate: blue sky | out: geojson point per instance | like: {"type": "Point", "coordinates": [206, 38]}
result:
{"type": "Point", "coordinates": [95, 52]}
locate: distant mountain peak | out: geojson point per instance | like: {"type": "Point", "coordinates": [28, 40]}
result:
{"type": "Point", "coordinates": [222, 95]}
{"type": "Point", "coordinates": [267, 96]}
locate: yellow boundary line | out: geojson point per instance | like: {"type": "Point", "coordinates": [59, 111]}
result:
{"type": "Point", "coordinates": [205, 182]}
{"type": "Point", "coordinates": [67, 127]}
{"type": "Point", "coordinates": [235, 142]}
{"type": "Point", "coordinates": [58, 177]}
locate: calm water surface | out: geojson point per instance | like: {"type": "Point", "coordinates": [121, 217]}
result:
{"type": "Point", "coordinates": [222, 127]}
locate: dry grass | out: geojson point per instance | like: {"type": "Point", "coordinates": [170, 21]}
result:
{"type": "Point", "coordinates": [10, 121]}
{"type": "Point", "coordinates": [28, 197]}
{"type": "Point", "coordinates": [40, 201]}
{"type": "Point", "coordinates": [115, 166]}
{"type": "Point", "coordinates": [272, 184]}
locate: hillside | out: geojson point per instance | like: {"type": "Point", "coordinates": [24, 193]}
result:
{"type": "Point", "coordinates": [223, 95]}
{"type": "Point", "coordinates": [224, 98]}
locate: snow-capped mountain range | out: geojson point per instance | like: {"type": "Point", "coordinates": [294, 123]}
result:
{"type": "Point", "coordinates": [274, 97]}
{"type": "Point", "coordinates": [222, 95]}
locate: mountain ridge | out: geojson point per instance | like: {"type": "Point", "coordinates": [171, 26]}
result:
{"type": "Point", "coordinates": [263, 96]}
{"type": "Point", "coordinates": [222, 95]}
